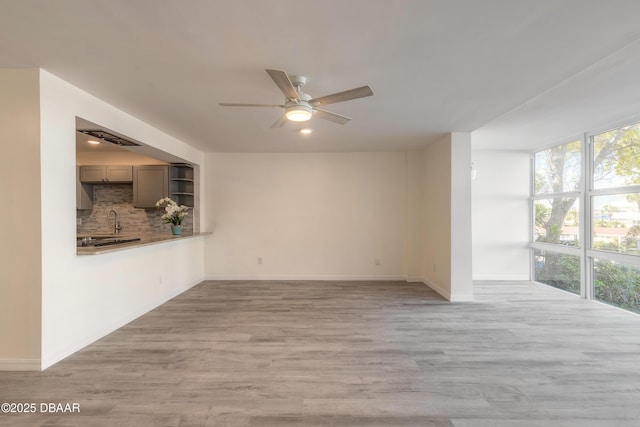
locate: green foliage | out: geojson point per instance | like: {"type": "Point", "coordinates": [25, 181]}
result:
{"type": "Point", "coordinates": [609, 224]}
{"type": "Point", "coordinates": [631, 242]}
{"type": "Point", "coordinates": [607, 246]}
{"type": "Point", "coordinates": [539, 184]}
{"type": "Point", "coordinates": [572, 218]}
{"type": "Point", "coordinates": [635, 198]}
{"type": "Point", "coordinates": [559, 270]}
{"type": "Point", "coordinates": [618, 151]}
{"type": "Point", "coordinates": [541, 214]}
{"type": "Point", "coordinates": [628, 155]}
{"type": "Point", "coordinates": [617, 284]}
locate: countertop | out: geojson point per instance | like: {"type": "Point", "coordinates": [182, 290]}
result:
{"type": "Point", "coordinates": [145, 240]}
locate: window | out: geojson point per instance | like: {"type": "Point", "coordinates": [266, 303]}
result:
{"type": "Point", "coordinates": [556, 199]}
{"type": "Point", "coordinates": [616, 159]}
{"type": "Point", "coordinates": [557, 170]}
{"type": "Point", "coordinates": [589, 229]}
{"type": "Point", "coordinates": [556, 203]}
{"type": "Point", "coordinates": [615, 218]}
{"type": "Point", "coordinates": [550, 228]}
{"type": "Point", "coordinates": [617, 283]}
{"type": "Point", "coordinates": [559, 270]}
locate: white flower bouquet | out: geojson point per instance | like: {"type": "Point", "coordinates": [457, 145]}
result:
{"type": "Point", "coordinates": [173, 214]}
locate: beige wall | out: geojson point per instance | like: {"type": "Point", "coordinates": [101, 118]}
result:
{"type": "Point", "coordinates": [332, 215]}
{"type": "Point", "coordinates": [415, 210]}
{"type": "Point", "coordinates": [20, 253]}
{"type": "Point", "coordinates": [116, 158]}
{"type": "Point", "coordinates": [436, 261]}
{"type": "Point", "coordinates": [329, 215]}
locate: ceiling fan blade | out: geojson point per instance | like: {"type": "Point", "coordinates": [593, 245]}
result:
{"type": "Point", "coordinates": [281, 78]}
{"type": "Point", "coordinates": [233, 104]}
{"type": "Point", "coordinates": [347, 95]}
{"type": "Point", "coordinates": [332, 117]}
{"type": "Point", "coordinates": [280, 122]}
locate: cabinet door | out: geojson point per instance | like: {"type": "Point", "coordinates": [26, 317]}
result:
{"type": "Point", "coordinates": [119, 174]}
{"type": "Point", "coordinates": [150, 184]}
{"type": "Point", "coordinates": [93, 173]}
{"type": "Point", "coordinates": [84, 193]}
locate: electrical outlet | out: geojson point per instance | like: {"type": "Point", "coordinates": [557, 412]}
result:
{"type": "Point", "coordinates": [259, 260]}
{"type": "Point", "coordinates": [377, 261]}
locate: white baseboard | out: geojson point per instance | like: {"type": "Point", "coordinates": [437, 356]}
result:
{"type": "Point", "coordinates": [462, 298]}
{"type": "Point", "coordinates": [445, 294]}
{"type": "Point", "coordinates": [20, 365]}
{"type": "Point", "coordinates": [500, 282]}
{"type": "Point", "coordinates": [318, 278]}
{"type": "Point", "coordinates": [448, 295]}
{"type": "Point", "coordinates": [69, 349]}
{"type": "Point", "coordinates": [502, 278]}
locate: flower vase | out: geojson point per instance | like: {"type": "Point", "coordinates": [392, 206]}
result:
{"type": "Point", "coordinates": [176, 230]}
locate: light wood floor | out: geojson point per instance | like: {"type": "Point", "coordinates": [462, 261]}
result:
{"type": "Point", "coordinates": [351, 354]}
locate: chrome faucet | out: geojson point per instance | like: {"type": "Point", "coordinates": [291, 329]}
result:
{"type": "Point", "coordinates": [116, 224]}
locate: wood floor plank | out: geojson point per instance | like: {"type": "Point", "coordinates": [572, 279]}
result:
{"type": "Point", "coordinates": [310, 353]}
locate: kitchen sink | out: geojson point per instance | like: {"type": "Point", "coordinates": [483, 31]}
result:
{"type": "Point", "coordinates": [104, 241]}
{"type": "Point", "coordinates": [116, 242]}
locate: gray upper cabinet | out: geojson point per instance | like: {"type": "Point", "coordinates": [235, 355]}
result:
{"type": "Point", "coordinates": [110, 173]}
{"type": "Point", "coordinates": [84, 193]}
{"type": "Point", "coordinates": [119, 173]}
{"type": "Point", "coordinates": [150, 184]}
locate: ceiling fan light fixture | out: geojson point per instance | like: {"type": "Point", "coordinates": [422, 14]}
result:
{"type": "Point", "coordinates": [298, 113]}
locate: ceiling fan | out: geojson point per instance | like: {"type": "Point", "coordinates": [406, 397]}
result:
{"type": "Point", "coordinates": [298, 106]}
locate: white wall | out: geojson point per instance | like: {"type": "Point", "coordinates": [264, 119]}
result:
{"type": "Point", "coordinates": [20, 275]}
{"type": "Point", "coordinates": [461, 220]}
{"type": "Point", "coordinates": [500, 200]}
{"type": "Point", "coordinates": [87, 297]}
{"type": "Point", "coordinates": [315, 216]}
{"type": "Point", "coordinates": [446, 226]}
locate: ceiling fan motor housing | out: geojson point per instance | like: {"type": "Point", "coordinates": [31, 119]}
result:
{"type": "Point", "coordinates": [298, 82]}
{"type": "Point", "coordinates": [298, 111]}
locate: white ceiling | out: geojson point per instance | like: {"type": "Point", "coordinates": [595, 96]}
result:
{"type": "Point", "coordinates": [521, 73]}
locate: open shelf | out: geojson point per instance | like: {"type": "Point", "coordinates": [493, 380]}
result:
{"type": "Point", "coordinates": [181, 184]}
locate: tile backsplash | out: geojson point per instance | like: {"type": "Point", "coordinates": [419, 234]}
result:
{"type": "Point", "coordinates": [119, 197]}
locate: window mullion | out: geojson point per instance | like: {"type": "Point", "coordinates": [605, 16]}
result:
{"type": "Point", "coordinates": [556, 195]}
{"type": "Point", "coordinates": [586, 223]}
